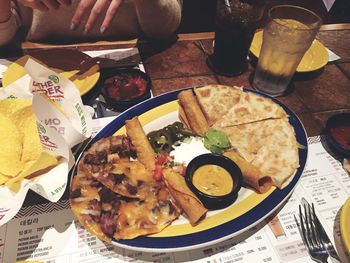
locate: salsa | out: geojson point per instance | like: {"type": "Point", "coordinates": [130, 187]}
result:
{"type": "Point", "coordinates": [125, 86]}
{"type": "Point", "coordinates": [342, 135]}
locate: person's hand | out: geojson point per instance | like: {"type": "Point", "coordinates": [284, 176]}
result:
{"type": "Point", "coordinates": [45, 5]}
{"type": "Point", "coordinates": [94, 9]}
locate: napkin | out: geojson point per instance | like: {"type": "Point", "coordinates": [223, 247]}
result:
{"type": "Point", "coordinates": [62, 121]}
{"type": "Point", "coordinates": [332, 55]}
{"type": "Point", "coordinates": [346, 165]}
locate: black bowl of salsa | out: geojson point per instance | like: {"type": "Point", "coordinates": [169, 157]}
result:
{"type": "Point", "coordinates": [123, 88]}
{"type": "Point", "coordinates": [338, 133]}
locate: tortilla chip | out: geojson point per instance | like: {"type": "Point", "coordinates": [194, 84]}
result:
{"type": "Point", "coordinates": [11, 147]}
{"type": "Point", "coordinates": [3, 179]}
{"type": "Point", "coordinates": [9, 106]}
{"type": "Point", "coordinates": [45, 161]}
{"type": "Point", "coordinates": [22, 155]}
{"type": "Point", "coordinates": [26, 123]}
{"type": "Point", "coordinates": [10, 167]}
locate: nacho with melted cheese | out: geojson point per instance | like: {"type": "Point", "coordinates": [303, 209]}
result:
{"type": "Point", "coordinates": [114, 194]}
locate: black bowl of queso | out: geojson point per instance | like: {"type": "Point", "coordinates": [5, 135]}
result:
{"type": "Point", "coordinates": [214, 179]}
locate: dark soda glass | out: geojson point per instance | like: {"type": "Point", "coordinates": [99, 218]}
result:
{"type": "Point", "coordinates": [235, 27]}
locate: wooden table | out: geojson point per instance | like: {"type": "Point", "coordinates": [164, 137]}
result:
{"type": "Point", "coordinates": [179, 64]}
{"type": "Point", "coordinates": [315, 97]}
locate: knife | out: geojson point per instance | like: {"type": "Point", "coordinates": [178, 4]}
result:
{"type": "Point", "coordinates": [333, 255]}
{"type": "Point", "coordinates": [105, 63]}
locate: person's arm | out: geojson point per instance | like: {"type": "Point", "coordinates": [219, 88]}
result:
{"type": "Point", "coordinates": [158, 18]}
{"type": "Point", "coordinates": [5, 10]}
{"type": "Point", "coordinates": [95, 9]}
{"type": "Point", "coordinates": [9, 21]}
{"type": "Point", "coordinates": [45, 5]}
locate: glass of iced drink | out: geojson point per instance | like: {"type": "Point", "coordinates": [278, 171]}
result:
{"type": "Point", "coordinates": [286, 37]}
{"type": "Point", "coordinates": [236, 22]}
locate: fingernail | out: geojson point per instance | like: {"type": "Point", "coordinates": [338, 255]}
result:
{"type": "Point", "coordinates": [85, 30]}
{"type": "Point", "coordinates": [103, 29]}
{"type": "Point", "coordinates": [73, 26]}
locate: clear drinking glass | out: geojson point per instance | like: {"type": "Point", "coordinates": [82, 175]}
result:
{"type": "Point", "coordinates": [287, 36]}
{"type": "Point", "coordinates": [236, 22]}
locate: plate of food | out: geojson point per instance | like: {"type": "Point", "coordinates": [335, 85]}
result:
{"type": "Point", "coordinates": [128, 184]}
{"type": "Point", "coordinates": [316, 57]}
{"type": "Point", "coordinates": [344, 224]}
{"type": "Point", "coordinates": [64, 61]}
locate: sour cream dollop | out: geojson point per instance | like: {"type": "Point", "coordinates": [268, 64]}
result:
{"type": "Point", "coordinates": [188, 150]}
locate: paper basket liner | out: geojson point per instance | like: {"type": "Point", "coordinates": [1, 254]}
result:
{"type": "Point", "coordinates": [63, 123]}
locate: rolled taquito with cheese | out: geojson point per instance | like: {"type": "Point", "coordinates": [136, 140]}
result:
{"type": "Point", "coordinates": [186, 199]}
{"type": "Point", "coordinates": [194, 114]}
{"type": "Point", "coordinates": [252, 176]}
{"type": "Point", "coordinates": [183, 118]}
{"type": "Point", "coordinates": [144, 150]}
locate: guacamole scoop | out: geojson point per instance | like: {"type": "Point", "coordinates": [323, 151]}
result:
{"type": "Point", "coordinates": [216, 141]}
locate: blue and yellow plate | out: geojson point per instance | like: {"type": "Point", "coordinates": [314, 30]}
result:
{"type": "Point", "coordinates": [249, 209]}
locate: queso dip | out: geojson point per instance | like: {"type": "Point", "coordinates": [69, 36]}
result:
{"type": "Point", "coordinates": [212, 180]}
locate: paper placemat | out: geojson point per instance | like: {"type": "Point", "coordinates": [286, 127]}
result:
{"type": "Point", "coordinates": [49, 232]}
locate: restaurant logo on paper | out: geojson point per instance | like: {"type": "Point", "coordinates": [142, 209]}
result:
{"type": "Point", "coordinates": [50, 88]}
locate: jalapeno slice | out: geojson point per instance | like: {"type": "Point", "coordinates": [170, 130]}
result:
{"type": "Point", "coordinates": [162, 140]}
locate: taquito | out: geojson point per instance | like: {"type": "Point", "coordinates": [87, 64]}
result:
{"type": "Point", "coordinates": [183, 118]}
{"type": "Point", "coordinates": [188, 201]}
{"type": "Point", "coordinates": [144, 150]}
{"type": "Point", "coordinates": [251, 174]}
{"type": "Point", "coordinates": [194, 114]}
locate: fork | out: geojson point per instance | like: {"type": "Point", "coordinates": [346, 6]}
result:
{"type": "Point", "coordinates": [333, 255]}
{"type": "Point", "coordinates": [201, 47]}
{"type": "Point", "coordinates": [309, 233]}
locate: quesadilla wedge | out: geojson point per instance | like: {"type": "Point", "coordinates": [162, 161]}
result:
{"type": "Point", "coordinates": [225, 106]}
{"type": "Point", "coordinates": [216, 100]}
{"type": "Point", "coordinates": [269, 145]}
{"type": "Point", "coordinates": [250, 108]}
